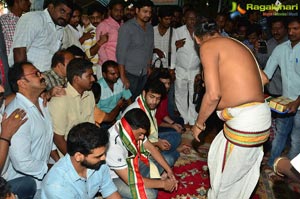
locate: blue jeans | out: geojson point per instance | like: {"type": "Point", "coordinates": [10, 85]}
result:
{"type": "Point", "coordinates": [171, 101]}
{"type": "Point", "coordinates": [124, 189]}
{"type": "Point", "coordinates": [285, 127]}
{"type": "Point", "coordinates": [23, 187]}
{"type": "Point", "coordinates": [137, 84]}
{"type": "Point", "coordinates": [172, 154]}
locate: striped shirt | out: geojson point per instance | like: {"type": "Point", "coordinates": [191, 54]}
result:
{"type": "Point", "coordinates": [89, 43]}
{"type": "Point", "coordinates": [53, 79]}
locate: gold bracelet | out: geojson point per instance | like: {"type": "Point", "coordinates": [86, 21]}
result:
{"type": "Point", "coordinates": [199, 127]}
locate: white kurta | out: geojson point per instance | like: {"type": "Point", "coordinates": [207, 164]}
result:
{"type": "Point", "coordinates": [186, 63]}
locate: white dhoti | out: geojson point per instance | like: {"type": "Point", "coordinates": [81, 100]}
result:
{"type": "Point", "coordinates": [236, 153]}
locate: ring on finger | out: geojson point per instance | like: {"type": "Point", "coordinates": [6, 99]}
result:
{"type": "Point", "coordinates": [17, 116]}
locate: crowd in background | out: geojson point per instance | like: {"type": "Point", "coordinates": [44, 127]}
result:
{"type": "Point", "coordinates": [65, 68]}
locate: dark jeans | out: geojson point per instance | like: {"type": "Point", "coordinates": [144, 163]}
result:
{"type": "Point", "coordinates": [137, 84]}
{"type": "Point", "coordinates": [171, 101]}
{"type": "Point", "coordinates": [23, 187]}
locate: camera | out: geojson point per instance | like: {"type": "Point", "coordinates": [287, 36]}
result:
{"type": "Point", "coordinates": [262, 48]}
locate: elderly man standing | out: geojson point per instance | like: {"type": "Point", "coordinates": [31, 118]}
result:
{"type": "Point", "coordinates": [39, 34]}
{"type": "Point", "coordinates": [187, 65]}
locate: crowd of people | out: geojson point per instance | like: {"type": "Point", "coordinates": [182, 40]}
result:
{"type": "Point", "coordinates": [95, 101]}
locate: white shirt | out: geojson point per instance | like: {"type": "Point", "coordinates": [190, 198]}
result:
{"type": "Point", "coordinates": [71, 37]}
{"type": "Point", "coordinates": [32, 143]}
{"type": "Point", "coordinates": [42, 38]}
{"type": "Point", "coordinates": [117, 153]}
{"type": "Point", "coordinates": [288, 59]}
{"type": "Point", "coordinates": [161, 42]}
{"type": "Point", "coordinates": [185, 60]}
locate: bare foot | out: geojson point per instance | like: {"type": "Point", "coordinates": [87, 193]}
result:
{"type": "Point", "coordinates": [186, 149]}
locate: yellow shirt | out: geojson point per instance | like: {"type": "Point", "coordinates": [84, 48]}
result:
{"type": "Point", "coordinates": [71, 109]}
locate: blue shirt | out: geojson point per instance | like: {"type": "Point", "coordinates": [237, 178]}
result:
{"type": "Point", "coordinates": [109, 98]}
{"type": "Point", "coordinates": [62, 181]}
{"type": "Point", "coordinates": [288, 59]}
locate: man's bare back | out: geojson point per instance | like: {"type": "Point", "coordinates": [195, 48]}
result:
{"type": "Point", "coordinates": [231, 70]}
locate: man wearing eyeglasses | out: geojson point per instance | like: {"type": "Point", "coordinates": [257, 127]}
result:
{"type": "Point", "coordinates": [33, 142]}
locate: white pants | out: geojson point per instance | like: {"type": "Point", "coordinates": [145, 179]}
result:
{"type": "Point", "coordinates": [184, 91]}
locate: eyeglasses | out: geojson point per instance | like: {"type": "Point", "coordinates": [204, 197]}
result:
{"type": "Point", "coordinates": [37, 73]}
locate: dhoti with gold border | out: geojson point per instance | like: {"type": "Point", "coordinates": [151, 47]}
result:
{"type": "Point", "coordinates": [236, 153]}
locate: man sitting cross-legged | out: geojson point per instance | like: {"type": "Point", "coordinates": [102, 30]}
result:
{"type": "Point", "coordinates": [148, 101]}
{"type": "Point", "coordinates": [131, 173]}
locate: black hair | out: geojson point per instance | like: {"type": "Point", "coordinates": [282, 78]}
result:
{"type": "Point", "coordinates": [4, 189]}
{"type": "Point", "coordinates": [160, 73]}
{"type": "Point", "coordinates": [96, 89]}
{"type": "Point", "coordinates": [155, 86]}
{"type": "Point", "coordinates": [222, 14]}
{"type": "Point", "coordinates": [190, 10]}
{"type": "Point", "coordinates": [165, 11]}
{"type": "Point", "coordinates": [77, 67]}
{"type": "Point", "coordinates": [85, 137]}
{"type": "Point", "coordinates": [243, 22]}
{"type": "Point", "coordinates": [137, 118]}
{"type": "Point", "coordinates": [10, 3]}
{"type": "Point", "coordinates": [278, 19]}
{"type": "Point", "coordinates": [143, 3]}
{"type": "Point", "coordinates": [293, 19]}
{"type": "Point", "coordinates": [253, 28]}
{"type": "Point", "coordinates": [177, 9]}
{"type": "Point", "coordinates": [76, 7]}
{"type": "Point", "coordinates": [205, 28]}
{"type": "Point", "coordinates": [68, 3]}
{"type": "Point", "coordinates": [108, 63]}
{"type": "Point", "coordinates": [76, 51]}
{"type": "Point", "coordinates": [15, 73]}
{"type": "Point", "coordinates": [58, 57]}
{"type": "Point", "coordinates": [96, 7]}
{"type": "Point", "coordinates": [112, 3]}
